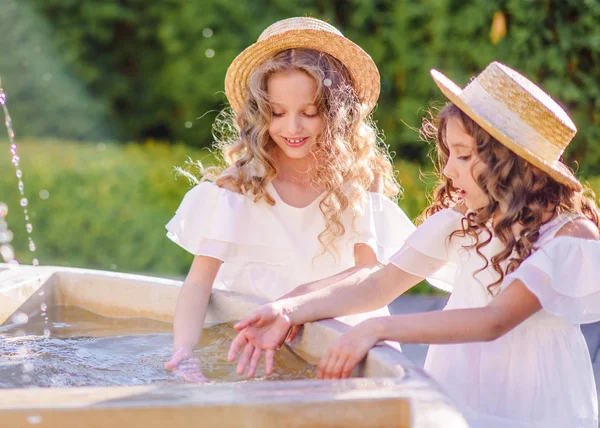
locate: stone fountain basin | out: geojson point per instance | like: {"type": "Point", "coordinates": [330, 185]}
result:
{"type": "Point", "coordinates": [391, 390]}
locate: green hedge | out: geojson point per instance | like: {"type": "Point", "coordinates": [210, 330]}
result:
{"type": "Point", "coordinates": [108, 203]}
{"type": "Point", "coordinates": [146, 69]}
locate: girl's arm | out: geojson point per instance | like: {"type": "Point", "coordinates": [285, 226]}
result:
{"type": "Point", "coordinates": [191, 308]}
{"type": "Point", "coordinates": [364, 291]}
{"type": "Point", "coordinates": [507, 310]}
{"type": "Point", "coordinates": [268, 325]}
{"type": "Point", "coordinates": [365, 260]}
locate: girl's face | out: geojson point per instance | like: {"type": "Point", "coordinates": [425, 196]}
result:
{"type": "Point", "coordinates": [463, 165]}
{"type": "Point", "coordinates": [295, 124]}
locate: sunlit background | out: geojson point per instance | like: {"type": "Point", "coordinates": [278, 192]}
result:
{"type": "Point", "coordinates": [107, 97]}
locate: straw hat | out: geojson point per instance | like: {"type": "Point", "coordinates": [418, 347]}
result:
{"type": "Point", "coordinates": [308, 33]}
{"type": "Point", "coordinates": [518, 114]}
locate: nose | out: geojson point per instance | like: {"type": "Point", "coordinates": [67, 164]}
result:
{"type": "Point", "coordinates": [449, 171]}
{"type": "Point", "coordinates": [294, 125]}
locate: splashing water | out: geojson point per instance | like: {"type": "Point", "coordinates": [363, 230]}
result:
{"type": "Point", "coordinates": [15, 159]}
{"type": "Point", "coordinates": [6, 250]}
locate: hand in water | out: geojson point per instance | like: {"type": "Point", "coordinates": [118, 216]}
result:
{"type": "Point", "coordinates": [265, 330]}
{"type": "Point", "coordinates": [341, 357]}
{"type": "Point", "coordinates": [185, 364]}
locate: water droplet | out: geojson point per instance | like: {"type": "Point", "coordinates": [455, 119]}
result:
{"type": "Point", "coordinates": [27, 367]}
{"type": "Point", "coordinates": [20, 318]}
{"type": "Point", "coordinates": [41, 293]}
{"type": "Point", "coordinates": [6, 236]}
{"type": "Point", "coordinates": [21, 186]}
{"type": "Point", "coordinates": [188, 124]}
{"type": "Point", "coordinates": [7, 252]}
{"type": "Point", "coordinates": [13, 264]}
{"type": "Point", "coordinates": [210, 53]}
{"type": "Point", "coordinates": [44, 194]}
{"type": "Point", "coordinates": [24, 202]}
{"type": "Point", "coordinates": [29, 227]}
{"type": "Point", "coordinates": [113, 266]}
{"type": "Point", "coordinates": [26, 217]}
{"type": "Point", "coordinates": [34, 420]}
{"type": "Point", "coordinates": [19, 173]}
{"type": "Point", "coordinates": [13, 149]}
{"type": "Point", "coordinates": [3, 209]}
{"type": "Point", "coordinates": [43, 307]}
{"type": "Point", "coordinates": [3, 225]}
{"type": "Point", "coordinates": [327, 82]}
{"type": "Point", "coordinates": [46, 333]}
{"type": "Point", "coordinates": [36, 262]}
{"type": "Point", "coordinates": [15, 160]}
{"type": "Point", "coordinates": [2, 98]}
{"type": "Point", "coordinates": [32, 246]}
{"type": "Point", "coordinates": [207, 32]}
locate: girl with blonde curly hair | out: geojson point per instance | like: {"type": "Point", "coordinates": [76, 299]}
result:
{"type": "Point", "coordinates": [516, 238]}
{"type": "Point", "coordinates": [304, 193]}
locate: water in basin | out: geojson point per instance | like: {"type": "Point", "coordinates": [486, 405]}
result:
{"type": "Point", "coordinates": [70, 347]}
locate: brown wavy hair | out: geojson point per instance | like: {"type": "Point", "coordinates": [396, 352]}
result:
{"type": "Point", "coordinates": [528, 193]}
{"type": "Point", "coordinates": [350, 152]}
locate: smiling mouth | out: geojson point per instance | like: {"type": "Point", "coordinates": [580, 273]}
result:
{"type": "Point", "coordinates": [295, 142]}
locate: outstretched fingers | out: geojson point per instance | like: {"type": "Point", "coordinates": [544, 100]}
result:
{"type": "Point", "coordinates": [254, 362]}
{"type": "Point", "coordinates": [245, 358]}
{"type": "Point", "coordinates": [237, 344]}
{"type": "Point", "coordinates": [269, 357]}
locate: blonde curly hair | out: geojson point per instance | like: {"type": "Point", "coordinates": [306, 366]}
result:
{"type": "Point", "coordinates": [509, 181]}
{"type": "Point", "coordinates": [350, 152]}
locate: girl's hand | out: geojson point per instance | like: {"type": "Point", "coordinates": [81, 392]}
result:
{"type": "Point", "coordinates": [265, 330]}
{"type": "Point", "coordinates": [185, 364]}
{"type": "Point", "coordinates": [341, 358]}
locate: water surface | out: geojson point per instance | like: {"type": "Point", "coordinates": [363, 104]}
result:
{"type": "Point", "coordinates": [74, 347]}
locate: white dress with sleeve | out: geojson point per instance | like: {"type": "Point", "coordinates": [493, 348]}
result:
{"type": "Point", "coordinates": [540, 373]}
{"type": "Point", "coordinates": [268, 250]}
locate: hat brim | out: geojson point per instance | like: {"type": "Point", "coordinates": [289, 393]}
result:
{"type": "Point", "coordinates": [557, 170]}
{"type": "Point", "coordinates": [362, 68]}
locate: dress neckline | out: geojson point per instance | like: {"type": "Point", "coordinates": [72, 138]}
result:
{"type": "Point", "coordinates": [279, 199]}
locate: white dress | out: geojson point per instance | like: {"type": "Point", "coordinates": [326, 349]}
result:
{"type": "Point", "coordinates": [540, 373]}
{"type": "Point", "coordinates": [268, 250]}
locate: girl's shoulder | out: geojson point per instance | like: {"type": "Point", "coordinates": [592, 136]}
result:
{"type": "Point", "coordinates": [579, 227]}
{"type": "Point", "coordinates": [563, 271]}
{"type": "Point", "coordinates": [227, 180]}
{"type": "Point", "coordinates": [567, 226]}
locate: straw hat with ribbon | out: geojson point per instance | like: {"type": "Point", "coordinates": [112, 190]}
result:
{"type": "Point", "coordinates": [307, 33]}
{"type": "Point", "coordinates": [519, 114]}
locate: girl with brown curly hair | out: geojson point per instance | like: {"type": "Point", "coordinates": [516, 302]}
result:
{"type": "Point", "coordinates": [304, 192]}
{"type": "Point", "coordinates": [516, 238]}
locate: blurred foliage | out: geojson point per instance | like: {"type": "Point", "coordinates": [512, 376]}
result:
{"type": "Point", "coordinates": [106, 204]}
{"type": "Point", "coordinates": [147, 61]}
{"type": "Point", "coordinates": [44, 95]}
